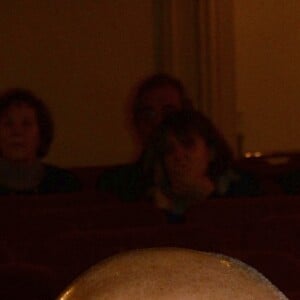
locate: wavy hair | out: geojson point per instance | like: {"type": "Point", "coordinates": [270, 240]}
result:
{"type": "Point", "coordinates": [17, 96]}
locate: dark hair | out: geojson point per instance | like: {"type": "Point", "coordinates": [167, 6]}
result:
{"type": "Point", "coordinates": [155, 81]}
{"type": "Point", "coordinates": [187, 122]}
{"type": "Point", "coordinates": [45, 123]}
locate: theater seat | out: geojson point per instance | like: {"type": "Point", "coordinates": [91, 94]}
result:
{"type": "Point", "coordinates": [281, 268]}
{"type": "Point", "coordinates": [27, 281]}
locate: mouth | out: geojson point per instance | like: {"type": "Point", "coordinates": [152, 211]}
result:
{"type": "Point", "coordinates": [17, 142]}
{"type": "Point", "coordinates": [17, 145]}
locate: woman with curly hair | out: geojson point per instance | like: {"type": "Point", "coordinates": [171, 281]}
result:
{"type": "Point", "coordinates": [26, 133]}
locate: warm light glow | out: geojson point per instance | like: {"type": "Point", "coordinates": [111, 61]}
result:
{"type": "Point", "coordinates": [66, 294]}
{"type": "Point", "coordinates": [252, 154]}
{"type": "Point", "coordinates": [257, 154]}
{"type": "Point", "coordinates": [225, 263]}
{"type": "Point", "coordinates": [248, 154]}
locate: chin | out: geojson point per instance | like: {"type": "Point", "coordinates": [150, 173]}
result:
{"type": "Point", "coordinates": [20, 158]}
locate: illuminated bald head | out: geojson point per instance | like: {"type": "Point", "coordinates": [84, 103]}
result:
{"type": "Point", "coordinates": [171, 274]}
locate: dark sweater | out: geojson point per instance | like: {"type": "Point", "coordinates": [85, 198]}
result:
{"type": "Point", "coordinates": [129, 183]}
{"type": "Point", "coordinates": [54, 180]}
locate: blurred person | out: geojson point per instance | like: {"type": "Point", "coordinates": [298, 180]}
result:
{"type": "Point", "coordinates": [155, 98]}
{"type": "Point", "coordinates": [26, 133]}
{"type": "Point", "coordinates": [188, 160]}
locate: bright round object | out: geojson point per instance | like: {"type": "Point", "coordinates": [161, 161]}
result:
{"type": "Point", "coordinates": [171, 274]}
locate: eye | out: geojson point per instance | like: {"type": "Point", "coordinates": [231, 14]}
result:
{"type": "Point", "coordinates": [27, 123]}
{"type": "Point", "coordinates": [146, 113]}
{"type": "Point", "coordinates": [6, 122]}
{"type": "Point", "coordinates": [188, 142]}
{"type": "Point", "coordinates": [168, 148]}
{"type": "Point", "coordinates": [169, 109]}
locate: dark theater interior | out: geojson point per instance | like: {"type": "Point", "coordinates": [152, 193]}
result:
{"type": "Point", "coordinates": [235, 61]}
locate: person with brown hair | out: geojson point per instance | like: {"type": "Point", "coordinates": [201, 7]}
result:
{"type": "Point", "coordinates": [26, 133]}
{"type": "Point", "coordinates": [155, 98]}
{"type": "Point", "coordinates": [189, 160]}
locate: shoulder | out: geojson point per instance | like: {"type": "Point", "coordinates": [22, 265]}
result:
{"type": "Point", "coordinates": [238, 182]}
{"type": "Point", "coordinates": [126, 181]}
{"type": "Point", "coordinates": [120, 172]}
{"type": "Point", "coordinates": [57, 179]}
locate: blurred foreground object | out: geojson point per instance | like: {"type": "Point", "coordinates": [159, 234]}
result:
{"type": "Point", "coordinates": [171, 273]}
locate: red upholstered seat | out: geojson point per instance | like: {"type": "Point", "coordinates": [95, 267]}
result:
{"type": "Point", "coordinates": [281, 268]}
{"type": "Point", "coordinates": [276, 233]}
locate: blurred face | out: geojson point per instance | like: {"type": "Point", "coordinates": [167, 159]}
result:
{"type": "Point", "coordinates": [155, 106]}
{"type": "Point", "coordinates": [19, 133]}
{"type": "Point", "coordinates": [187, 156]}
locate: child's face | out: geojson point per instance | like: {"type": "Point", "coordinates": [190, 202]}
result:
{"type": "Point", "coordinates": [189, 155]}
{"type": "Point", "coordinates": [186, 162]}
{"type": "Point", "coordinates": [19, 133]}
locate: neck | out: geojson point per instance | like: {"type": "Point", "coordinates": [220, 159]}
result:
{"type": "Point", "coordinates": [20, 174]}
{"type": "Point", "coordinates": [21, 162]}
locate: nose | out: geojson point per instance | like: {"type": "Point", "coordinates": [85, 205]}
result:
{"type": "Point", "coordinates": [156, 118]}
{"type": "Point", "coordinates": [179, 152]}
{"type": "Point", "coordinates": [16, 129]}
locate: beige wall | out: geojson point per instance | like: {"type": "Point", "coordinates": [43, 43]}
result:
{"type": "Point", "coordinates": [81, 57]}
{"type": "Point", "coordinates": [267, 46]}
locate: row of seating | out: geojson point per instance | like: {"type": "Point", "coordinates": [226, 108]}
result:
{"type": "Point", "coordinates": [89, 211]}
{"type": "Point", "coordinates": [278, 172]}
{"type": "Point", "coordinates": [268, 168]}
{"type": "Point", "coordinates": [40, 215]}
{"type": "Point", "coordinates": [70, 253]}
{"type": "Point", "coordinates": [60, 236]}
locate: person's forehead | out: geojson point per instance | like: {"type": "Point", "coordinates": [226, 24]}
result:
{"type": "Point", "coordinates": [19, 107]}
{"type": "Point", "coordinates": [183, 133]}
{"type": "Point", "coordinates": [19, 111]}
{"type": "Point", "coordinates": [162, 95]}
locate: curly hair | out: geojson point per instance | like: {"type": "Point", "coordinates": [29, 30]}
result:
{"type": "Point", "coordinates": [17, 96]}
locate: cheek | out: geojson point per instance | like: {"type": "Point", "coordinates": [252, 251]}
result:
{"type": "Point", "coordinates": [5, 132]}
{"type": "Point", "coordinates": [201, 155]}
{"type": "Point", "coordinates": [4, 138]}
{"type": "Point", "coordinates": [35, 133]}
{"type": "Point", "coordinates": [33, 138]}
{"type": "Point", "coordinates": [2, 144]}
{"type": "Point", "coordinates": [178, 161]}
{"type": "Point", "coordinates": [144, 129]}
{"type": "Point", "coordinates": [36, 139]}
{"type": "Point", "coordinates": [171, 160]}
{"type": "Point", "coordinates": [3, 135]}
